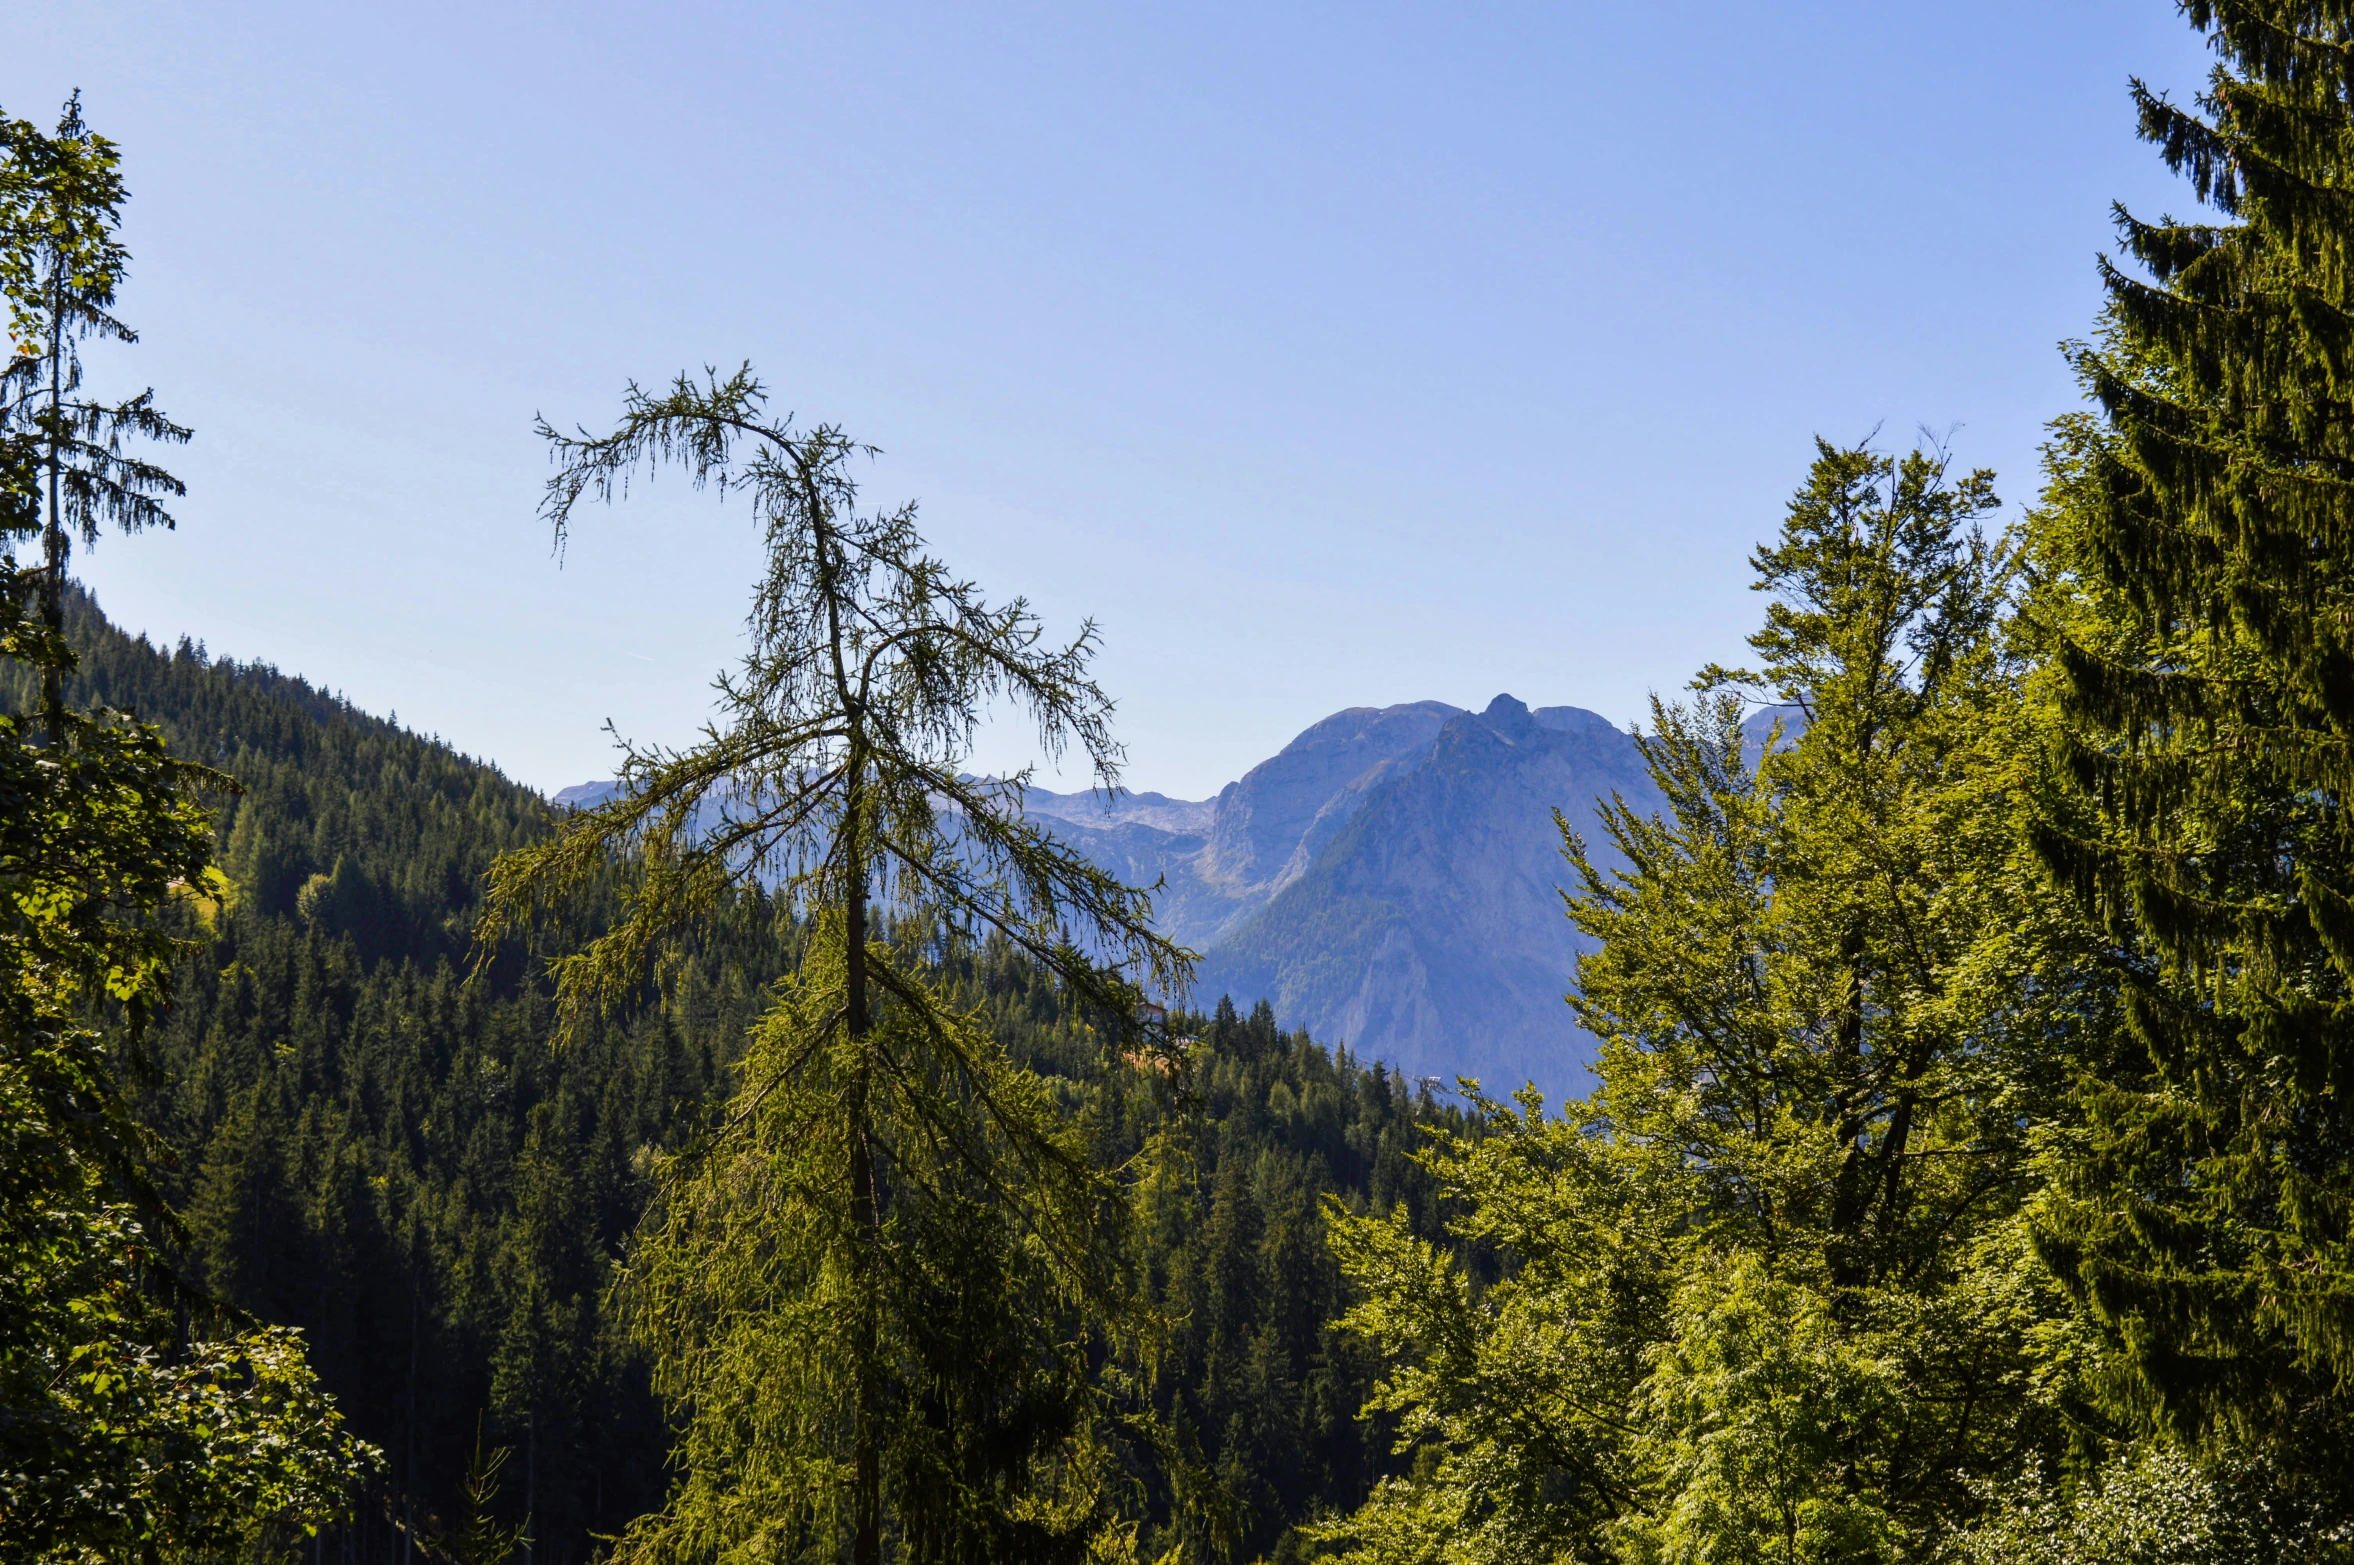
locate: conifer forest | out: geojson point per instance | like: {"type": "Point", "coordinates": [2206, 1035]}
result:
{"type": "Point", "coordinates": [803, 1154]}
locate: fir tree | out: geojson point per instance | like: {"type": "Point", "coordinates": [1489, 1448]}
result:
{"type": "Point", "coordinates": [2197, 556]}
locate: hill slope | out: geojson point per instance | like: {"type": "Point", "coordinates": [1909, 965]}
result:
{"type": "Point", "coordinates": [401, 1165]}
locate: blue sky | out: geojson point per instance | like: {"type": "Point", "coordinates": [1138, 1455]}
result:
{"type": "Point", "coordinates": [1326, 354]}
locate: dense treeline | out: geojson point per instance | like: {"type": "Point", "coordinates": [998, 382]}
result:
{"type": "Point", "coordinates": [1257, 1370]}
{"type": "Point", "coordinates": [404, 1166]}
{"type": "Point", "coordinates": [370, 1149]}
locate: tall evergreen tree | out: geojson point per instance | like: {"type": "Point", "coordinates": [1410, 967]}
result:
{"type": "Point", "coordinates": [1764, 1295]}
{"type": "Point", "coordinates": [61, 199]}
{"type": "Point", "coordinates": [2197, 559]}
{"type": "Point", "coordinates": [865, 1295]}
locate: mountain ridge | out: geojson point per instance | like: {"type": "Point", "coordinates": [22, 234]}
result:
{"type": "Point", "coordinates": [1390, 878]}
{"type": "Point", "coordinates": [1429, 929]}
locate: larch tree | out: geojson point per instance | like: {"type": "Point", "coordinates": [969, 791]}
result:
{"type": "Point", "coordinates": [867, 1294]}
{"type": "Point", "coordinates": [2196, 601]}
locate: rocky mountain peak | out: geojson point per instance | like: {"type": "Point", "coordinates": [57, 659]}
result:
{"type": "Point", "coordinates": [1507, 717]}
{"type": "Point", "coordinates": [1261, 820]}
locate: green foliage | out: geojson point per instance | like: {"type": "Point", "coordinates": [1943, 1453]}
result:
{"type": "Point", "coordinates": [1765, 1293]}
{"type": "Point", "coordinates": [121, 1437]}
{"type": "Point", "coordinates": [372, 1151]}
{"type": "Point", "coordinates": [836, 772]}
{"type": "Point", "coordinates": [124, 1431]}
{"type": "Point", "coordinates": [1517, 1396]}
{"type": "Point", "coordinates": [1254, 1377]}
{"type": "Point", "coordinates": [478, 1538]}
{"type": "Point", "coordinates": [1756, 1399]}
{"type": "Point", "coordinates": [752, 1285]}
{"type": "Point", "coordinates": [136, 1419]}
{"type": "Point", "coordinates": [61, 199]}
{"type": "Point", "coordinates": [2194, 611]}
{"type": "Point", "coordinates": [2148, 1506]}
{"type": "Point", "coordinates": [402, 1165]}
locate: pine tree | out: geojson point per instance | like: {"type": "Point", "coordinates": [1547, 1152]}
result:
{"type": "Point", "coordinates": [862, 1294]}
{"type": "Point", "coordinates": [2197, 559]}
{"type": "Point", "coordinates": [61, 199]}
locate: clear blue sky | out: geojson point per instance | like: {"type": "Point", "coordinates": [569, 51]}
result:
{"type": "Point", "coordinates": [1326, 354]}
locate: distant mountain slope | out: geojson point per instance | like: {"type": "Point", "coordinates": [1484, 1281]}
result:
{"type": "Point", "coordinates": [1221, 860]}
{"type": "Point", "coordinates": [1390, 879]}
{"type": "Point", "coordinates": [1428, 931]}
{"type": "Point", "coordinates": [1094, 810]}
{"type": "Point", "coordinates": [1270, 825]}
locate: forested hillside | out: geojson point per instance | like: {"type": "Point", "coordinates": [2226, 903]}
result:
{"type": "Point", "coordinates": [782, 1153]}
{"type": "Point", "coordinates": [404, 1166]}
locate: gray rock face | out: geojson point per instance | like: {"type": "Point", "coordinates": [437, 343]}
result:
{"type": "Point", "coordinates": [1390, 880]}
{"type": "Point", "coordinates": [1429, 930]}
{"type": "Point", "coordinates": [1311, 789]}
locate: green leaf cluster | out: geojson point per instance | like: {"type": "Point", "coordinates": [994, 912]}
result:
{"type": "Point", "coordinates": [1768, 1292]}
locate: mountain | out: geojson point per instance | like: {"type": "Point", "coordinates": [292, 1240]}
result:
{"type": "Point", "coordinates": [1419, 916]}
{"type": "Point", "coordinates": [1389, 880]}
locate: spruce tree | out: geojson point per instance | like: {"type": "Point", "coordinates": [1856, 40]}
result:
{"type": "Point", "coordinates": [866, 1294]}
{"type": "Point", "coordinates": [2196, 557]}
{"type": "Point", "coordinates": [61, 262]}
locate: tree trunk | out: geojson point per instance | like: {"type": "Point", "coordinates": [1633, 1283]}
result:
{"type": "Point", "coordinates": [53, 536]}
{"type": "Point", "coordinates": [867, 1482]}
{"type": "Point", "coordinates": [1849, 1191]}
